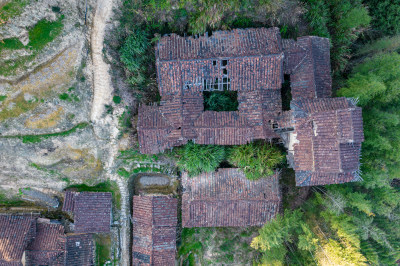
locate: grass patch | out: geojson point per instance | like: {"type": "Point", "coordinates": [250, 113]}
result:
{"type": "Point", "coordinates": [12, 9]}
{"type": "Point", "coordinates": [12, 43]}
{"type": "Point", "coordinates": [108, 186]}
{"type": "Point", "coordinates": [2, 97]}
{"type": "Point", "coordinates": [40, 35]}
{"type": "Point", "coordinates": [20, 106]}
{"type": "Point", "coordinates": [39, 138]}
{"type": "Point", "coordinates": [44, 32]}
{"type": "Point", "coordinates": [103, 249]}
{"type": "Point", "coordinates": [10, 202]}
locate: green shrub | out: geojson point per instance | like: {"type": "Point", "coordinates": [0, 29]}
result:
{"type": "Point", "coordinates": [44, 32]}
{"type": "Point", "coordinates": [117, 99]}
{"type": "Point", "coordinates": [3, 97]}
{"type": "Point", "coordinates": [12, 43]}
{"type": "Point", "coordinates": [256, 160]}
{"type": "Point", "coordinates": [196, 159]}
{"type": "Point", "coordinates": [63, 96]}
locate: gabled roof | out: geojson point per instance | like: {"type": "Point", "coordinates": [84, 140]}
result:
{"type": "Point", "coordinates": [228, 198]}
{"type": "Point", "coordinates": [154, 230]}
{"type": "Point", "coordinates": [326, 142]}
{"type": "Point", "coordinates": [48, 246]}
{"type": "Point", "coordinates": [91, 210]}
{"type": "Point", "coordinates": [308, 63]}
{"type": "Point", "coordinates": [80, 249]}
{"type": "Point", "coordinates": [16, 232]}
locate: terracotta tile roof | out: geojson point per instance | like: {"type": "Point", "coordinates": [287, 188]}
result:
{"type": "Point", "coordinates": [327, 141]}
{"type": "Point", "coordinates": [308, 63]}
{"type": "Point", "coordinates": [154, 230]}
{"type": "Point", "coordinates": [91, 210]}
{"type": "Point", "coordinates": [80, 249]}
{"type": "Point", "coordinates": [69, 201]}
{"type": "Point", "coordinates": [48, 246]}
{"type": "Point", "coordinates": [16, 232]}
{"type": "Point", "coordinates": [250, 60]}
{"type": "Point", "coordinates": [228, 198]}
{"type": "Point", "coordinates": [238, 42]}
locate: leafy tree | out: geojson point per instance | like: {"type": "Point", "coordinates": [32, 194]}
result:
{"type": "Point", "coordinates": [256, 159]}
{"type": "Point", "coordinates": [195, 158]}
{"type": "Point", "coordinates": [279, 234]}
{"type": "Point", "coordinates": [375, 83]}
{"type": "Point", "coordinates": [385, 15]}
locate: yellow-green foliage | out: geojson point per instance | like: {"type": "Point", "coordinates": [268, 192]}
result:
{"type": "Point", "coordinates": [256, 159]}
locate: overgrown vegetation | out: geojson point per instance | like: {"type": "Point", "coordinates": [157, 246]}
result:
{"type": "Point", "coordinates": [256, 159]}
{"type": "Point", "coordinates": [217, 246]}
{"type": "Point", "coordinates": [44, 32]}
{"type": "Point", "coordinates": [196, 159]}
{"type": "Point", "coordinates": [340, 20]}
{"type": "Point", "coordinates": [103, 249]}
{"type": "Point", "coordinates": [220, 100]}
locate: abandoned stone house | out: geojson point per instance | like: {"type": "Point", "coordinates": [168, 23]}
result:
{"type": "Point", "coordinates": [28, 240]}
{"type": "Point", "coordinates": [252, 63]}
{"type": "Point", "coordinates": [154, 221]}
{"type": "Point", "coordinates": [226, 198]}
{"type": "Point", "coordinates": [91, 211]}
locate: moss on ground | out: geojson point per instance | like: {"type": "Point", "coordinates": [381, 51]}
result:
{"type": "Point", "coordinates": [12, 9]}
{"type": "Point", "coordinates": [43, 33]}
{"type": "Point", "coordinates": [39, 138]}
{"type": "Point", "coordinates": [103, 249]}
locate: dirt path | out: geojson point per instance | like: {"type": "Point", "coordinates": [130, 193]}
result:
{"type": "Point", "coordinates": [102, 95]}
{"type": "Point", "coordinates": [101, 78]}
